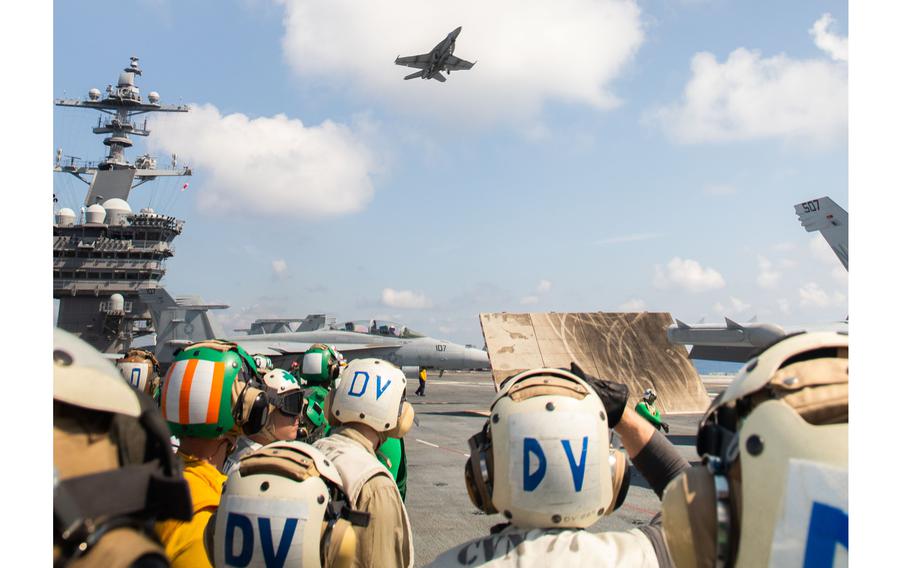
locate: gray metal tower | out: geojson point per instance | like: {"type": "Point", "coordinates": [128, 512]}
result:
{"type": "Point", "coordinates": [110, 261]}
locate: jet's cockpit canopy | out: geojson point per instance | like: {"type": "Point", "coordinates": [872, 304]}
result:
{"type": "Point", "coordinates": [378, 327]}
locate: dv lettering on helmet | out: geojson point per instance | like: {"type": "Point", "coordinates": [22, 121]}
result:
{"type": "Point", "coordinates": [531, 480]}
{"type": "Point", "coordinates": [359, 387]}
{"type": "Point", "coordinates": [241, 533]}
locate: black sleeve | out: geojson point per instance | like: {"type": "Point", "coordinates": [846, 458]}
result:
{"type": "Point", "coordinates": [659, 462]}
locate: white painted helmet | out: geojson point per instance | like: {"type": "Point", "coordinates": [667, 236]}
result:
{"type": "Point", "coordinates": [140, 369]}
{"type": "Point", "coordinates": [283, 506]}
{"type": "Point", "coordinates": [279, 382]}
{"type": "Point", "coordinates": [371, 392]}
{"type": "Point", "coordinates": [543, 459]}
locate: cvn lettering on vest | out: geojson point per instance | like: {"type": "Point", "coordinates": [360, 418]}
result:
{"type": "Point", "coordinates": [275, 558]}
{"type": "Point", "coordinates": [578, 469]}
{"type": "Point", "coordinates": [532, 480]}
{"type": "Point", "coordinates": [234, 523]}
{"type": "Point", "coordinates": [366, 379]}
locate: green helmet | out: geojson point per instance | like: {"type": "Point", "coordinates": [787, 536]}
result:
{"type": "Point", "coordinates": [320, 365]}
{"type": "Point", "coordinates": [210, 389]}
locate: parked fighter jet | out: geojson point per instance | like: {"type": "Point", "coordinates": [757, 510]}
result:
{"type": "Point", "coordinates": [439, 59]}
{"type": "Point", "coordinates": [735, 342]}
{"type": "Point", "coordinates": [186, 321]}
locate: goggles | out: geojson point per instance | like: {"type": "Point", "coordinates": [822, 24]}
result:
{"type": "Point", "coordinates": [291, 404]}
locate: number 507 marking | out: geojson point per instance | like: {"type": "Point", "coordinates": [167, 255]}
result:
{"type": "Point", "coordinates": [440, 348]}
{"type": "Point", "coordinates": [810, 206]}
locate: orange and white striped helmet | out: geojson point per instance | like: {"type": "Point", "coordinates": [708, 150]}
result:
{"type": "Point", "coordinates": [210, 389]}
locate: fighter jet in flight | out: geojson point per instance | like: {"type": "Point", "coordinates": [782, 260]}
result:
{"type": "Point", "coordinates": [440, 59]}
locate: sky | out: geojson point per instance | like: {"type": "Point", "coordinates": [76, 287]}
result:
{"type": "Point", "coordinates": [602, 155]}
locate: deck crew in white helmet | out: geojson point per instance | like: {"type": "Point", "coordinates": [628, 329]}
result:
{"type": "Point", "coordinates": [286, 400]}
{"type": "Point", "coordinates": [772, 490]}
{"type": "Point", "coordinates": [366, 408]}
{"type": "Point", "coordinates": [284, 506]}
{"type": "Point", "coordinates": [543, 460]}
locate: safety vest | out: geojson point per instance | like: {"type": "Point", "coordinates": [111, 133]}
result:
{"type": "Point", "coordinates": [566, 548]}
{"type": "Point", "coordinates": [354, 463]}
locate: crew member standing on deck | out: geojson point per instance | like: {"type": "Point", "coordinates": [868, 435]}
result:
{"type": "Point", "coordinates": [422, 378]}
{"type": "Point", "coordinates": [543, 460]}
{"type": "Point", "coordinates": [207, 399]}
{"type": "Point", "coordinates": [366, 408]}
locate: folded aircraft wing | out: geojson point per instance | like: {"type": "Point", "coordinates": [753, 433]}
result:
{"type": "Point", "coordinates": [455, 64]}
{"type": "Point", "coordinates": [415, 61]}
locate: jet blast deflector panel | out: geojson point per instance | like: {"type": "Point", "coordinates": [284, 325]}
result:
{"type": "Point", "coordinates": [630, 348]}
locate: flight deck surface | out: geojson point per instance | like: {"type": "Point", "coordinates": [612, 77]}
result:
{"type": "Point", "coordinates": [454, 409]}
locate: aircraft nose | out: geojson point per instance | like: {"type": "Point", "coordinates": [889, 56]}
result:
{"type": "Point", "coordinates": [476, 359]}
{"type": "Point", "coordinates": [457, 31]}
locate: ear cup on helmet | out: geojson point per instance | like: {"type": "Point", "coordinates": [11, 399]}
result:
{"type": "Point", "coordinates": [405, 421]}
{"type": "Point", "coordinates": [334, 370]}
{"type": "Point", "coordinates": [251, 409]}
{"type": "Point", "coordinates": [341, 546]}
{"type": "Point", "coordinates": [478, 471]}
{"type": "Point", "coordinates": [621, 479]}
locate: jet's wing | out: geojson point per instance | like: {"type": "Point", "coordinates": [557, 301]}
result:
{"type": "Point", "coordinates": [729, 341]}
{"type": "Point", "coordinates": [455, 64]}
{"type": "Point", "coordinates": [415, 61]}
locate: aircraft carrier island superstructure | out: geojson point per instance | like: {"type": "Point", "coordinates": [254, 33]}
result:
{"type": "Point", "coordinates": [109, 261]}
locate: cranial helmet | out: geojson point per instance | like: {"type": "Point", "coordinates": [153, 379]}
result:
{"type": "Point", "coordinates": [140, 369]}
{"type": "Point", "coordinates": [371, 392]}
{"type": "Point", "coordinates": [284, 506]}
{"type": "Point", "coordinates": [772, 490]}
{"type": "Point", "coordinates": [543, 459]}
{"type": "Point", "coordinates": [114, 471]}
{"type": "Point", "coordinates": [320, 365]}
{"type": "Point", "coordinates": [211, 388]}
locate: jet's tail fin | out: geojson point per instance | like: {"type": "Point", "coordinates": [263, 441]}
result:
{"type": "Point", "coordinates": [439, 77]}
{"type": "Point", "coordinates": [413, 75]}
{"type": "Point", "coordinates": [315, 322]}
{"type": "Point", "coordinates": [180, 322]}
{"type": "Point", "coordinates": [830, 219]}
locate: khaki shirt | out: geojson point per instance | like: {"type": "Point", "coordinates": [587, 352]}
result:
{"type": "Point", "coordinates": [386, 542]}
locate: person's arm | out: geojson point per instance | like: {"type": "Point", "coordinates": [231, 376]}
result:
{"type": "Point", "coordinates": [651, 452]}
{"type": "Point", "coordinates": [386, 541]}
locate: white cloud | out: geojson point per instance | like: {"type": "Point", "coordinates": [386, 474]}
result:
{"type": "Point", "coordinates": [274, 165]}
{"type": "Point", "coordinates": [822, 252]}
{"type": "Point", "coordinates": [688, 275]}
{"type": "Point", "coordinates": [627, 238]}
{"type": "Point", "coordinates": [528, 52]}
{"type": "Point", "coordinates": [750, 97]}
{"type": "Point", "coordinates": [544, 286]}
{"type": "Point", "coordinates": [529, 300]}
{"type": "Point", "coordinates": [405, 299]}
{"type": "Point", "coordinates": [834, 45]}
{"type": "Point", "coordinates": [767, 276]}
{"type": "Point", "coordinates": [632, 305]}
{"type": "Point", "coordinates": [279, 267]}
{"type": "Point", "coordinates": [736, 306]}
{"type": "Point", "coordinates": [812, 295]}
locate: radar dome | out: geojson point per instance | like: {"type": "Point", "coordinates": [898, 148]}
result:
{"type": "Point", "coordinates": [66, 217]}
{"type": "Point", "coordinates": [94, 94]}
{"type": "Point", "coordinates": [154, 97]}
{"type": "Point", "coordinates": [117, 302]}
{"type": "Point", "coordinates": [95, 214]}
{"type": "Point", "coordinates": [117, 211]}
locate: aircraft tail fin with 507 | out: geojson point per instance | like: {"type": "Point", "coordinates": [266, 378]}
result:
{"type": "Point", "coordinates": [830, 219]}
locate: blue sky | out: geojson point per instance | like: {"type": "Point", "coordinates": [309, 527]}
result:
{"type": "Point", "coordinates": [602, 155]}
